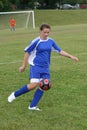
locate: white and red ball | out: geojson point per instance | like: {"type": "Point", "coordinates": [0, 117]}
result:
{"type": "Point", "coordinates": [45, 84]}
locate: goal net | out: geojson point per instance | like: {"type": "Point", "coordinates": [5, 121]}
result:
{"type": "Point", "coordinates": [24, 19]}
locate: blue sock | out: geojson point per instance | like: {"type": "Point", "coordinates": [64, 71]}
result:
{"type": "Point", "coordinates": [37, 96]}
{"type": "Point", "coordinates": [21, 91]}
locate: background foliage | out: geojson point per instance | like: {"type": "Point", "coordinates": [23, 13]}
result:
{"type": "Point", "coordinates": [6, 5]}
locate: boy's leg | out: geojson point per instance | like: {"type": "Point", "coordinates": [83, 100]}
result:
{"type": "Point", "coordinates": [17, 93]}
{"type": "Point", "coordinates": [37, 97]}
{"type": "Point", "coordinates": [21, 91]}
{"type": "Point", "coordinates": [13, 28]}
{"type": "Point", "coordinates": [44, 73]}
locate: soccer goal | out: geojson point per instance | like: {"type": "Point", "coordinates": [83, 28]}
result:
{"type": "Point", "coordinates": [24, 19]}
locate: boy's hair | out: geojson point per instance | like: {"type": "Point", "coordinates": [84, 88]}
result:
{"type": "Point", "coordinates": [44, 26]}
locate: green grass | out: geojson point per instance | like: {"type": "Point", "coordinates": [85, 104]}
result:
{"type": "Point", "coordinates": [60, 17]}
{"type": "Point", "coordinates": [53, 17]}
{"type": "Point", "coordinates": [64, 106]}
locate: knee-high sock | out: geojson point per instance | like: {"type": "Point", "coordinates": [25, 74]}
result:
{"type": "Point", "coordinates": [37, 96]}
{"type": "Point", "coordinates": [21, 91]}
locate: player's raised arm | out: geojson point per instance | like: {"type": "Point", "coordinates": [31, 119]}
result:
{"type": "Point", "coordinates": [25, 61]}
{"type": "Point", "coordinates": [64, 53]}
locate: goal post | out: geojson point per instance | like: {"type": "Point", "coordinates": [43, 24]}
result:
{"type": "Point", "coordinates": [29, 17]}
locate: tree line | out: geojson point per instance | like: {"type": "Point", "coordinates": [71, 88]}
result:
{"type": "Point", "coordinates": [9, 5]}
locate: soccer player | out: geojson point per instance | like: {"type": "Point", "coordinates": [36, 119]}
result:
{"type": "Point", "coordinates": [37, 54]}
{"type": "Point", "coordinates": [12, 24]}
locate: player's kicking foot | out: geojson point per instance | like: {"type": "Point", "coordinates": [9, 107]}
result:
{"type": "Point", "coordinates": [34, 108]}
{"type": "Point", "coordinates": [11, 97]}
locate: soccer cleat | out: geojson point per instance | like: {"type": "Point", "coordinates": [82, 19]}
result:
{"type": "Point", "coordinates": [34, 108]}
{"type": "Point", "coordinates": [11, 97]}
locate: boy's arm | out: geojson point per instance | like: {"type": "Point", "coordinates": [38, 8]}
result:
{"type": "Point", "coordinates": [63, 53]}
{"type": "Point", "coordinates": [25, 61]}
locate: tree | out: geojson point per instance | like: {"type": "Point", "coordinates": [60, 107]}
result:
{"type": "Point", "coordinates": [4, 5]}
{"type": "Point", "coordinates": [74, 1]}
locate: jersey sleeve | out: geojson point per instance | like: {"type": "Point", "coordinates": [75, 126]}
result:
{"type": "Point", "coordinates": [55, 47]}
{"type": "Point", "coordinates": [31, 46]}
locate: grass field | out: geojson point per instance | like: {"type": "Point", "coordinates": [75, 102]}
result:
{"type": "Point", "coordinates": [64, 107]}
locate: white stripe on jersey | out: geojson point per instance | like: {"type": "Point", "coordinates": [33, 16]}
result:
{"type": "Point", "coordinates": [31, 43]}
{"type": "Point", "coordinates": [33, 53]}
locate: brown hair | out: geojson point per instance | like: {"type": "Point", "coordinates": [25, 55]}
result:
{"type": "Point", "coordinates": [44, 26]}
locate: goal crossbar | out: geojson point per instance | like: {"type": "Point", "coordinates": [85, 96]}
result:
{"type": "Point", "coordinates": [17, 12]}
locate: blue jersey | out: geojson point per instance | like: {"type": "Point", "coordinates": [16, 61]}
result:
{"type": "Point", "coordinates": [40, 51]}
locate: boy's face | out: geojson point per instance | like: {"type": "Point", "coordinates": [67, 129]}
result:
{"type": "Point", "coordinates": [44, 33]}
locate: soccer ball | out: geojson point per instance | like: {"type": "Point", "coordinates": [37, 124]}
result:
{"type": "Point", "coordinates": [45, 84]}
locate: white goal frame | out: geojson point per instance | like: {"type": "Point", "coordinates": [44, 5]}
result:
{"type": "Point", "coordinates": [28, 17]}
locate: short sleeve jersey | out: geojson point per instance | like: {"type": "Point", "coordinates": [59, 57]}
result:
{"type": "Point", "coordinates": [12, 22]}
{"type": "Point", "coordinates": [40, 51]}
